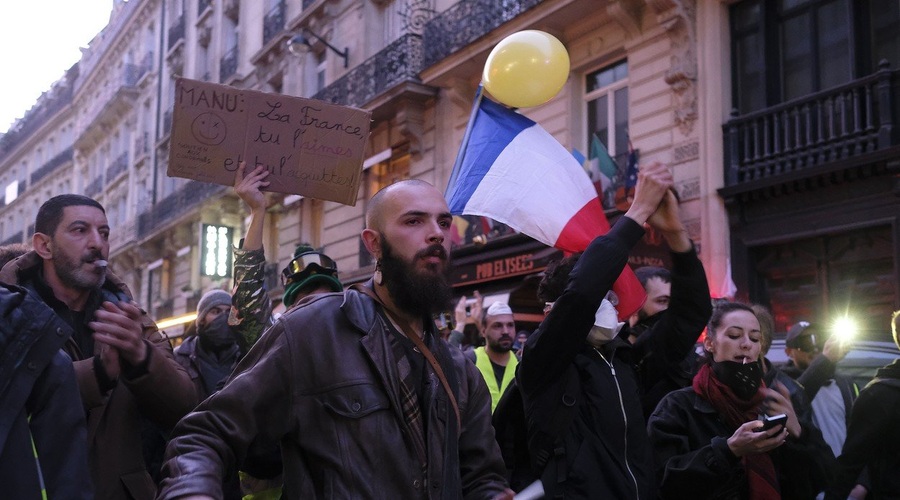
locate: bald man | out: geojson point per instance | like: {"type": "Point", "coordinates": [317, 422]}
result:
{"type": "Point", "coordinates": [365, 398]}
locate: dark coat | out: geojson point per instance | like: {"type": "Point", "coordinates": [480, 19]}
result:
{"type": "Point", "coordinates": [694, 461]}
{"type": "Point", "coordinates": [674, 330]}
{"type": "Point", "coordinates": [606, 450]}
{"type": "Point", "coordinates": [161, 392]}
{"type": "Point", "coordinates": [817, 374]}
{"type": "Point", "coordinates": [873, 439]}
{"type": "Point", "coordinates": [39, 404]}
{"type": "Point", "coordinates": [330, 395]}
{"type": "Point", "coordinates": [801, 404]}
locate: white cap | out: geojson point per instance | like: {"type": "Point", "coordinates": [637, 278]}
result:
{"type": "Point", "coordinates": [498, 308]}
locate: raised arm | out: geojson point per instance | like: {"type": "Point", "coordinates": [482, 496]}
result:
{"type": "Point", "coordinates": [251, 307]}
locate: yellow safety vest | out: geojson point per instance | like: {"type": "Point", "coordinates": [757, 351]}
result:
{"type": "Point", "coordinates": [483, 363]}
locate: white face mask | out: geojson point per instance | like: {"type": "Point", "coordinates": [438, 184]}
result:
{"type": "Point", "coordinates": [606, 325]}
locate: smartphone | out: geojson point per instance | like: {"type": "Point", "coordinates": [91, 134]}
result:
{"type": "Point", "coordinates": [773, 421]}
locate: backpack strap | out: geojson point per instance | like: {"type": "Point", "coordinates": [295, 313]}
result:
{"type": "Point", "coordinates": [420, 345]}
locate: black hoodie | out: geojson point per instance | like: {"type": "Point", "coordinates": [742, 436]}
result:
{"type": "Point", "coordinates": [873, 439]}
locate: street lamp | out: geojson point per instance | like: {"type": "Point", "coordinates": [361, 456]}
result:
{"type": "Point", "coordinates": [299, 45]}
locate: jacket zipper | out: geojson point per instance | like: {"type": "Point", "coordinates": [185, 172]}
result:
{"type": "Point", "coordinates": [637, 493]}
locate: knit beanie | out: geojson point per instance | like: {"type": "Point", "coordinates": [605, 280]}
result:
{"type": "Point", "coordinates": [212, 299]}
{"type": "Point", "coordinates": [309, 277]}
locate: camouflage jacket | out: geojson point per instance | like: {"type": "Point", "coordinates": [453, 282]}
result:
{"type": "Point", "coordinates": [251, 307]}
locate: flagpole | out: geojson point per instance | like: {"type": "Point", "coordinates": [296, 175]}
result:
{"type": "Point", "coordinates": [460, 155]}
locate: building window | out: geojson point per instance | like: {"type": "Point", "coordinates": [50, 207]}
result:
{"type": "Point", "coordinates": [786, 49]}
{"type": "Point", "coordinates": [606, 98]}
{"type": "Point", "coordinates": [320, 72]}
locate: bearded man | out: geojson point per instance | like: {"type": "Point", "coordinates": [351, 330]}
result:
{"type": "Point", "coordinates": [494, 359]}
{"type": "Point", "coordinates": [125, 370]}
{"type": "Point", "coordinates": [365, 398]}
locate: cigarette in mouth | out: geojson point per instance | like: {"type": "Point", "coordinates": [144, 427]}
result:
{"type": "Point", "coordinates": [745, 360]}
{"type": "Point", "coordinates": [101, 263]}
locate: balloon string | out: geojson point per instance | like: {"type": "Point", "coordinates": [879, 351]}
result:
{"type": "Point", "coordinates": [460, 155]}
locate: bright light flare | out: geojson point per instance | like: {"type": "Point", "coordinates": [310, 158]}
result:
{"type": "Point", "coordinates": [844, 328]}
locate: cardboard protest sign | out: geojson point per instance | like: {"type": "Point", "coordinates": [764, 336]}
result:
{"type": "Point", "coordinates": [310, 147]}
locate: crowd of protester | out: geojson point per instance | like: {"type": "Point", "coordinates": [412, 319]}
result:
{"type": "Point", "coordinates": [385, 390]}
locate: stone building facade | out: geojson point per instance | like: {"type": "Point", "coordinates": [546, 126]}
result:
{"type": "Point", "coordinates": [656, 75]}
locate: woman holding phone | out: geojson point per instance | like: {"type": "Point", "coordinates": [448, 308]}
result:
{"type": "Point", "coordinates": [711, 440]}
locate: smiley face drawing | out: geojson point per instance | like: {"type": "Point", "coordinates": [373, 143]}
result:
{"type": "Point", "coordinates": [208, 128]}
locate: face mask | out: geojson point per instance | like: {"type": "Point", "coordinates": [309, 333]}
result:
{"type": "Point", "coordinates": [217, 334]}
{"type": "Point", "coordinates": [606, 325]}
{"type": "Point", "coordinates": [742, 378]}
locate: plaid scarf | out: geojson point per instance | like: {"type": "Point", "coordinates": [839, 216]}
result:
{"type": "Point", "coordinates": [409, 400]}
{"type": "Point", "coordinates": [735, 411]}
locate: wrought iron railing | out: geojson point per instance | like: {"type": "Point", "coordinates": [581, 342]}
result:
{"type": "Point", "coordinates": [465, 22]}
{"type": "Point", "coordinates": [52, 164]}
{"type": "Point", "coordinates": [273, 23]}
{"type": "Point", "coordinates": [177, 203]}
{"type": "Point", "coordinates": [40, 114]}
{"type": "Point", "coordinates": [126, 80]}
{"type": "Point", "coordinates": [228, 64]}
{"type": "Point", "coordinates": [398, 62]}
{"type": "Point", "coordinates": [117, 167]}
{"type": "Point", "coordinates": [94, 187]}
{"type": "Point", "coordinates": [176, 31]}
{"type": "Point", "coordinates": [829, 126]}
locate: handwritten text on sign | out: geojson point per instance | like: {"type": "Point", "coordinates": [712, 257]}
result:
{"type": "Point", "coordinates": [309, 147]}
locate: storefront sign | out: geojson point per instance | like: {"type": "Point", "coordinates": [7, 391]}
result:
{"type": "Point", "coordinates": [517, 262]}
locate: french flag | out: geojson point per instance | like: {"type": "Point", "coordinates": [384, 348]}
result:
{"type": "Point", "coordinates": [514, 172]}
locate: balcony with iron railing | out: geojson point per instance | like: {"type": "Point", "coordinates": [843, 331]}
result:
{"type": "Point", "coordinates": [40, 114]}
{"type": "Point", "coordinates": [117, 167]}
{"type": "Point", "coordinates": [51, 165]}
{"type": "Point", "coordinates": [399, 62]}
{"type": "Point", "coordinates": [176, 204]}
{"type": "Point", "coordinates": [146, 65]}
{"type": "Point", "coordinates": [466, 22]}
{"type": "Point", "coordinates": [176, 31]}
{"type": "Point", "coordinates": [273, 23]}
{"type": "Point", "coordinates": [228, 64]}
{"type": "Point", "coordinates": [821, 132]}
{"type": "Point", "coordinates": [109, 105]}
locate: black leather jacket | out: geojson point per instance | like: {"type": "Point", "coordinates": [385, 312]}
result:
{"type": "Point", "coordinates": [324, 382]}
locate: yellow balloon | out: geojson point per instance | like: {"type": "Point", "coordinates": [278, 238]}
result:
{"type": "Point", "coordinates": [526, 69]}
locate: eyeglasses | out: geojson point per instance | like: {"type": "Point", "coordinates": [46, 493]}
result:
{"type": "Point", "coordinates": [306, 265]}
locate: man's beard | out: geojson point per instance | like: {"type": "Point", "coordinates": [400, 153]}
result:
{"type": "Point", "coordinates": [71, 273]}
{"type": "Point", "coordinates": [498, 346]}
{"type": "Point", "coordinates": [415, 291]}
